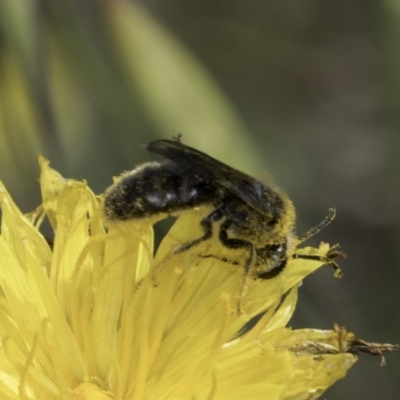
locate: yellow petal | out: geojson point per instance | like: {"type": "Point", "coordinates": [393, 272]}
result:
{"type": "Point", "coordinates": [98, 317]}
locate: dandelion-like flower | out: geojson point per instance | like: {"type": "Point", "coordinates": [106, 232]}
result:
{"type": "Point", "coordinates": [96, 316]}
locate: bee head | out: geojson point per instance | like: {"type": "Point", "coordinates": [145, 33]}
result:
{"type": "Point", "coordinates": [271, 260]}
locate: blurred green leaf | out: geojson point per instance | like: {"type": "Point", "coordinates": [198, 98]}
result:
{"type": "Point", "coordinates": [84, 82]}
{"type": "Point", "coordinates": [178, 93]}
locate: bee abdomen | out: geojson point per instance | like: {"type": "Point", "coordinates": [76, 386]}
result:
{"type": "Point", "coordinates": [154, 188]}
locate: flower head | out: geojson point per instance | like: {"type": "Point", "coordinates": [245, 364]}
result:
{"type": "Point", "coordinates": [96, 316]}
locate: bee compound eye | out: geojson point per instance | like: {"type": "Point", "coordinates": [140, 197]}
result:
{"type": "Point", "coordinates": [277, 249]}
{"type": "Point", "coordinates": [273, 263]}
{"type": "Point", "coordinates": [281, 249]}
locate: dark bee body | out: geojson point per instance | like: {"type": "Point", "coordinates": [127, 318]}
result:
{"type": "Point", "coordinates": [155, 188]}
{"type": "Point", "coordinates": [252, 215]}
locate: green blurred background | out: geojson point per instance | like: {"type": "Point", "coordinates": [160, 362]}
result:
{"type": "Point", "coordinates": [307, 91]}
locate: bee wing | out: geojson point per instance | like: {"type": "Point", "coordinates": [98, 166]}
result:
{"type": "Point", "coordinates": [202, 166]}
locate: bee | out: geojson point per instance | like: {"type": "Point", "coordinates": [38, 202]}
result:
{"type": "Point", "coordinates": [250, 215]}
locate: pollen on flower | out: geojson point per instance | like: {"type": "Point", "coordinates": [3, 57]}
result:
{"type": "Point", "coordinates": [96, 315]}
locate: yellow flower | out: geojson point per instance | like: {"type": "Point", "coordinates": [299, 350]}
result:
{"type": "Point", "coordinates": [95, 316]}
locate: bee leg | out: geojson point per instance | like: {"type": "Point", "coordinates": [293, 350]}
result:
{"type": "Point", "coordinates": [233, 243]}
{"type": "Point", "coordinates": [206, 224]}
{"type": "Point", "coordinates": [329, 259]}
{"type": "Point", "coordinates": [223, 259]}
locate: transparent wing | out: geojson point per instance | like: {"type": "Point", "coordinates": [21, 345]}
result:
{"type": "Point", "coordinates": [199, 165]}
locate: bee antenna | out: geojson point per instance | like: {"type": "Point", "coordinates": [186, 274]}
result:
{"type": "Point", "coordinates": [325, 222]}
